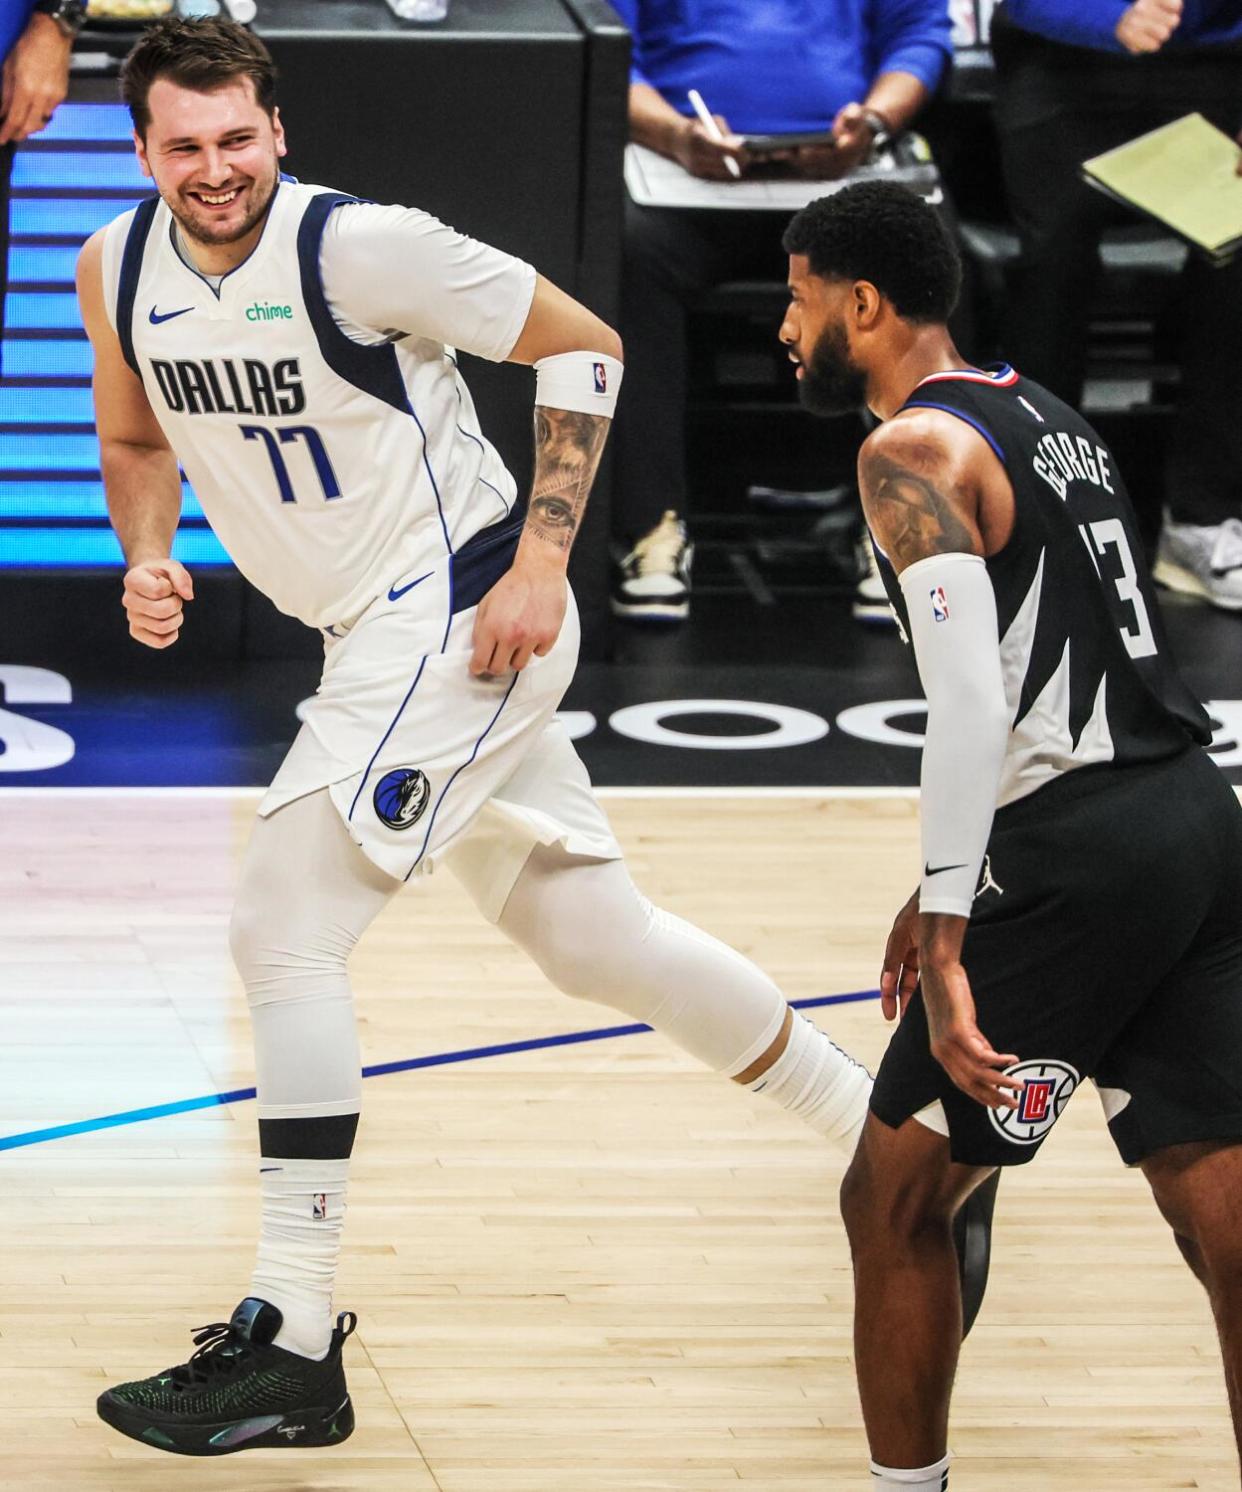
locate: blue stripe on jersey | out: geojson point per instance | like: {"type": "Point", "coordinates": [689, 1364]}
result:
{"type": "Point", "coordinates": [374, 370]}
{"type": "Point", "coordinates": [131, 268]}
{"type": "Point", "coordinates": [432, 823]}
{"type": "Point", "coordinates": [482, 480]}
{"type": "Point", "coordinates": [401, 711]}
{"type": "Point", "coordinates": [961, 415]}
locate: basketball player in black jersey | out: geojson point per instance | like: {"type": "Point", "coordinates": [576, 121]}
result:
{"type": "Point", "coordinates": [1080, 909]}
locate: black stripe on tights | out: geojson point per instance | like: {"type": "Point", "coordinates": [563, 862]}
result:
{"type": "Point", "coordinates": [329, 1137]}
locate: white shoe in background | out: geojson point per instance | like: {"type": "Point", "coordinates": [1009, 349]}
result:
{"type": "Point", "coordinates": [654, 580]}
{"type": "Point", "coordinates": [871, 603]}
{"type": "Point", "coordinates": [1202, 561]}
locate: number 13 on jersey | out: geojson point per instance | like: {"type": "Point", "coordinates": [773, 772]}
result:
{"type": "Point", "coordinates": [1140, 641]}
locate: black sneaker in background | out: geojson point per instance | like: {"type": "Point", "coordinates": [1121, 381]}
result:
{"type": "Point", "coordinates": [238, 1392]}
{"type": "Point", "coordinates": [653, 580]}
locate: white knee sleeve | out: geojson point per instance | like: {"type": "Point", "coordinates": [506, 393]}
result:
{"type": "Point", "coordinates": [597, 937]}
{"type": "Point", "coordinates": [306, 895]}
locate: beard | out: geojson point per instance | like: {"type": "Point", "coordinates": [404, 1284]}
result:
{"type": "Point", "coordinates": [832, 383]}
{"type": "Point", "coordinates": [198, 224]}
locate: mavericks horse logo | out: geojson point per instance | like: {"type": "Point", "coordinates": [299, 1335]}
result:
{"type": "Point", "coordinates": [401, 797]}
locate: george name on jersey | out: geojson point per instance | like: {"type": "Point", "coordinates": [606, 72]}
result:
{"type": "Point", "coordinates": [1061, 458]}
{"type": "Point", "coordinates": [230, 386]}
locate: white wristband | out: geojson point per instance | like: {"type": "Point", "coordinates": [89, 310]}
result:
{"type": "Point", "coordinates": [587, 382]}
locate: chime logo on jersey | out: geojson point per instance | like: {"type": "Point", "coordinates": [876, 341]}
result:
{"type": "Point", "coordinates": [1047, 1088]}
{"type": "Point", "coordinates": [940, 604]}
{"type": "Point", "coordinates": [401, 797]}
{"type": "Point", "coordinates": [601, 378]}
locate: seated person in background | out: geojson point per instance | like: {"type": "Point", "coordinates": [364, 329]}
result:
{"type": "Point", "coordinates": [1075, 79]}
{"type": "Point", "coordinates": [863, 67]}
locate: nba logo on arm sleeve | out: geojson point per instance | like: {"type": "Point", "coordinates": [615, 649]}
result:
{"type": "Point", "coordinates": [601, 378]}
{"type": "Point", "coordinates": [940, 604]}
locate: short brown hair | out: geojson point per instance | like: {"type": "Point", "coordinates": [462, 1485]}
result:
{"type": "Point", "coordinates": [202, 53]}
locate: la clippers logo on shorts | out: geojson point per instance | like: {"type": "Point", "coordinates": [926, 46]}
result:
{"type": "Point", "coordinates": [401, 797]}
{"type": "Point", "coordinates": [1048, 1088]}
{"type": "Point", "coordinates": [601, 378]}
{"type": "Point", "coordinates": [940, 604]}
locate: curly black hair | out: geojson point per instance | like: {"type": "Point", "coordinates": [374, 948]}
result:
{"type": "Point", "coordinates": [197, 52]}
{"type": "Point", "coordinates": [886, 234]}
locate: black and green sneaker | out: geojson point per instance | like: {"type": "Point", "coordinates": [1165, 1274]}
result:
{"type": "Point", "coordinates": [238, 1391]}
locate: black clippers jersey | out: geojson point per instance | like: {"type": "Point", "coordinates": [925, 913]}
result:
{"type": "Point", "coordinates": [1087, 670]}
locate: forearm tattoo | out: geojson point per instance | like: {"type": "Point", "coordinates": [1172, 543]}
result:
{"type": "Point", "coordinates": [909, 516]}
{"type": "Point", "coordinates": [568, 446]}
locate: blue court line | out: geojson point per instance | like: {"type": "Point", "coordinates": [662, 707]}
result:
{"type": "Point", "coordinates": [380, 1069]}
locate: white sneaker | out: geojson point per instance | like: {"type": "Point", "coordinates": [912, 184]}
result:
{"type": "Point", "coordinates": [1203, 562]}
{"type": "Point", "coordinates": [654, 580]}
{"type": "Point", "coordinates": [871, 603]}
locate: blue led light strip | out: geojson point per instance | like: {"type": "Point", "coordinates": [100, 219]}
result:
{"type": "Point", "coordinates": [78, 175]}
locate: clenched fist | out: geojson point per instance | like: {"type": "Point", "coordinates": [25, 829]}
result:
{"type": "Point", "coordinates": [155, 593]}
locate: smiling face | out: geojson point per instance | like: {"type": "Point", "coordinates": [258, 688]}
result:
{"type": "Point", "coordinates": [215, 159]}
{"type": "Point", "coordinates": [815, 330]}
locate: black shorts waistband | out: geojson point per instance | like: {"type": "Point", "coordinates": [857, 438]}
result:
{"type": "Point", "coordinates": [1085, 782]}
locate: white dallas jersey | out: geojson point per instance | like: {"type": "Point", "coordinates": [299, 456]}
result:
{"type": "Point", "coordinates": [313, 397]}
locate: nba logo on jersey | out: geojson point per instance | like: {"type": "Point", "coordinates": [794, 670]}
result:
{"type": "Point", "coordinates": [940, 604]}
{"type": "Point", "coordinates": [1046, 1088]}
{"type": "Point", "coordinates": [319, 1206]}
{"type": "Point", "coordinates": [601, 378]}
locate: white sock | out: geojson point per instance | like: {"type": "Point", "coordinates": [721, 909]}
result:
{"type": "Point", "coordinates": [923, 1479]}
{"type": "Point", "coordinates": [816, 1080]}
{"type": "Point", "coordinates": [299, 1245]}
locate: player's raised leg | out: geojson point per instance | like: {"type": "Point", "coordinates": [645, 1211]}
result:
{"type": "Point", "coordinates": [595, 936]}
{"type": "Point", "coordinates": [272, 1375]}
{"type": "Point", "coordinates": [898, 1200]}
{"type": "Point", "coordinates": [1198, 1189]}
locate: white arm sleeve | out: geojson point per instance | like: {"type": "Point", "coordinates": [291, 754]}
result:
{"type": "Point", "coordinates": [955, 634]}
{"type": "Point", "coordinates": [395, 269]}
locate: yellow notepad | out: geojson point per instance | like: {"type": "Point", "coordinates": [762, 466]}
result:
{"type": "Point", "coordinates": [1184, 174]}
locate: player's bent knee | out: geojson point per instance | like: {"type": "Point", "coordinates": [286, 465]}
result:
{"type": "Point", "coordinates": [279, 957]}
{"type": "Point", "coordinates": [893, 1190]}
{"type": "Point", "coordinates": [576, 965]}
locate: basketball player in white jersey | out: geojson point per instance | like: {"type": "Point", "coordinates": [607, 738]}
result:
{"type": "Point", "coordinates": [1080, 908]}
{"type": "Point", "coordinates": [293, 349]}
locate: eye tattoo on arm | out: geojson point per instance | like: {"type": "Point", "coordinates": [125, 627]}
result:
{"type": "Point", "coordinates": [910, 516]}
{"type": "Point", "coordinates": [568, 446]}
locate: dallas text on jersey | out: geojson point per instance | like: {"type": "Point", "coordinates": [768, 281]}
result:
{"type": "Point", "coordinates": [253, 388]}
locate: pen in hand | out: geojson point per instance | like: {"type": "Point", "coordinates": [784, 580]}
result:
{"type": "Point", "coordinates": [710, 125]}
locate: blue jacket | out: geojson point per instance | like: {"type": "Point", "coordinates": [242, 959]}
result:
{"type": "Point", "coordinates": [1090, 23]}
{"type": "Point", "coordinates": [13, 17]}
{"type": "Point", "coordinates": [771, 66]}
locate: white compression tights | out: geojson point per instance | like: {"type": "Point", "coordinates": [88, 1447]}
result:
{"type": "Point", "coordinates": [308, 893]}
{"type": "Point", "coordinates": [596, 937]}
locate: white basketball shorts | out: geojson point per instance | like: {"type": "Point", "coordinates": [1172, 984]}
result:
{"type": "Point", "coordinates": [427, 764]}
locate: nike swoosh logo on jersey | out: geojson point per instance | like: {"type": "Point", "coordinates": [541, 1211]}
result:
{"type": "Point", "coordinates": [156, 318]}
{"type": "Point", "coordinates": [929, 870]}
{"type": "Point", "coordinates": [395, 595]}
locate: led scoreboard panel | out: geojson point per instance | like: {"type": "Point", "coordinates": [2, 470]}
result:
{"type": "Point", "coordinates": [67, 181]}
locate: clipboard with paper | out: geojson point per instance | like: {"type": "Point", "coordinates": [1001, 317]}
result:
{"type": "Point", "coordinates": [1184, 175]}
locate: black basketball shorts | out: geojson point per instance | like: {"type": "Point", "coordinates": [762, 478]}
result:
{"type": "Point", "coordinates": [1106, 942]}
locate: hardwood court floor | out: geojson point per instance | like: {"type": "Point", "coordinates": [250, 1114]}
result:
{"type": "Point", "coordinates": [578, 1269]}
